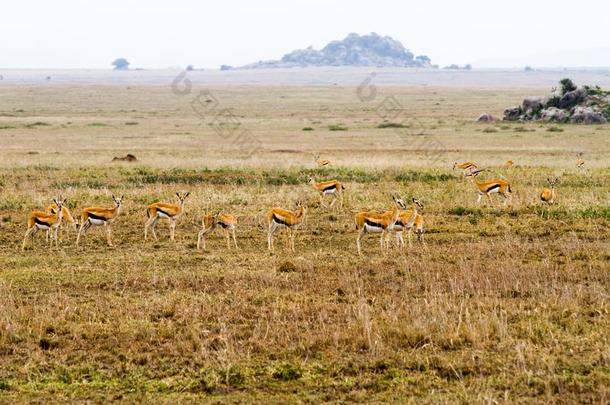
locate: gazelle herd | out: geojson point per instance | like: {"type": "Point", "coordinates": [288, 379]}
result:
{"type": "Point", "coordinates": [399, 219]}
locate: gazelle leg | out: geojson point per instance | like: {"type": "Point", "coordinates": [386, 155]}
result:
{"type": "Point", "coordinates": [201, 237]}
{"type": "Point", "coordinates": [479, 199]}
{"type": "Point", "coordinates": [153, 226]}
{"type": "Point", "coordinates": [108, 233]}
{"type": "Point", "coordinates": [149, 222]}
{"type": "Point", "coordinates": [56, 238]}
{"type": "Point", "coordinates": [226, 232]}
{"type": "Point", "coordinates": [172, 229]}
{"type": "Point", "coordinates": [358, 239]}
{"type": "Point", "coordinates": [29, 232]}
{"type": "Point", "coordinates": [491, 203]}
{"type": "Point", "coordinates": [234, 239]}
{"type": "Point", "coordinates": [409, 236]}
{"type": "Point", "coordinates": [81, 230]}
{"type": "Point", "coordinates": [272, 227]}
{"type": "Point", "coordinates": [333, 201]}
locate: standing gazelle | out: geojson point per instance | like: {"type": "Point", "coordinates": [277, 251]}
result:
{"type": "Point", "coordinates": [99, 216]}
{"type": "Point", "coordinates": [407, 219]}
{"type": "Point", "coordinates": [277, 217]}
{"type": "Point", "coordinates": [375, 222]}
{"type": "Point", "coordinates": [209, 222]}
{"type": "Point", "coordinates": [160, 210]}
{"type": "Point", "coordinates": [547, 196]}
{"type": "Point", "coordinates": [331, 187]}
{"type": "Point", "coordinates": [66, 216]}
{"type": "Point", "coordinates": [465, 165]}
{"type": "Point", "coordinates": [45, 221]}
{"type": "Point", "coordinates": [487, 188]}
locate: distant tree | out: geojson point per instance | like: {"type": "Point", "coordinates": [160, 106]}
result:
{"type": "Point", "coordinates": [226, 67]}
{"type": "Point", "coordinates": [567, 85]}
{"type": "Point", "coordinates": [120, 64]}
{"type": "Point", "coordinates": [528, 69]}
{"type": "Point", "coordinates": [190, 68]}
{"type": "Point", "coordinates": [467, 67]}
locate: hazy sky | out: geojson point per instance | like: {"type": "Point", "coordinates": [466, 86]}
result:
{"type": "Point", "coordinates": [158, 34]}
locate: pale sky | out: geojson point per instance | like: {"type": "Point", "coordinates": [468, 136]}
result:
{"type": "Point", "coordinates": [159, 34]}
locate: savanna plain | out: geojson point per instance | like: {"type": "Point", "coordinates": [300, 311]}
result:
{"type": "Point", "coordinates": [498, 304]}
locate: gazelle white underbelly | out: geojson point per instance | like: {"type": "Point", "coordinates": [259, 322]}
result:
{"type": "Point", "coordinates": [373, 229]}
{"type": "Point", "coordinates": [43, 227]}
{"type": "Point", "coordinates": [162, 215]}
{"type": "Point", "coordinates": [96, 221]}
{"type": "Point", "coordinates": [331, 191]}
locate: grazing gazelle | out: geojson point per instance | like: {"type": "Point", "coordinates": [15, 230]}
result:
{"type": "Point", "coordinates": [407, 219]}
{"type": "Point", "coordinates": [66, 216]}
{"type": "Point", "coordinates": [322, 162]}
{"type": "Point", "coordinates": [487, 188]}
{"type": "Point", "coordinates": [45, 221]}
{"type": "Point", "coordinates": [580, 162]}
{"type": "Point", "coordinates": [99, 216]}
{"type": "Point", "coordinates": [227, 222]}
{"type": "Point", "coordinates": [160, 210]}
{"type": "Point", "coordinates": [277, 217]}
{"type": "Point", "coordinates": [375, 222]}
{"type": "Point", "coordinates": [509, 164]}
{"type": "Point", "coordinates": [547, 196]}
{"type": "Point", "coordinates": [332, 187]}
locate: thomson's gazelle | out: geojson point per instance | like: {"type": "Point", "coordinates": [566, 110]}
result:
{"type": "Point", "coordinates": [487, 188]}
{"type": "Point", "coordinates": [375, 222]}
{"type": "Point", "coordinates": [322, 162]}
{"type": "Point", "coordinates": [547, 196]}
{"type": "Point", "coordinates": [465, 165]}
{"type": "Point", "coordinates": [277, 217]}
{"type": "Point", "coordinates": [331, 187]}
{"type": "Point", "coordinates": [66, 216]}
{"type": "Point", "coordinates": [160, 210]}
{"type": "Point", "coordinates": [45, 221]}
{"type": "Point", "coordinates": [407, 219]}
{"type": "Point", "coordinates": [227, 222]}
{"type": "Point", "coordinates": [99, 216]}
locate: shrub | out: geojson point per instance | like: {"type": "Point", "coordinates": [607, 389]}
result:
{"type": "Point", "coordinates": [567, 85]}
{"type": "Point", "coordinates": [391, 125]}
{"type": "Point", "coordinates": [337, 127]}
{"type": "Point", "coordinates": [554, 129]}
{"type": "Point", "coordinates": [490, 130]}
{"type": "Point", "coordinates": [307, 129]}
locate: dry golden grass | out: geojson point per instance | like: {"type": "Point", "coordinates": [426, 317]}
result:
{"type": "Point", "coordinates": [499, 305]}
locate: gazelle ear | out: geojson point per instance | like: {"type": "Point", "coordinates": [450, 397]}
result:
{"type": "Point", "coordinates": [122, 195]}
{"type": "Point", "coordinates": [177, 194]}
{"type": "Point", "coordinates": [187, 194]}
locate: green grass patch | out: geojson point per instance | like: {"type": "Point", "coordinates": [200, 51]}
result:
{"type": "Point", "coordinates": [337, 127]}
{"type": "Point", "coordinates": [98, 124]}
{"type": "Point", "coordinates": [307, 129]}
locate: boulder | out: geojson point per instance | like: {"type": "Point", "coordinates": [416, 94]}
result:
{"type": "Point", "coordinates": [512, 114]}
{"type": "Point", "coordinates": [486, 118]}
{"type": "Point", "coordinates": [532, 105]}
{"type": "Point", "coordinates": [572, 98]}
{"type": "Point", "coordinates": [553, 114]}
{"type": "Point", "coordinates": [587, 115]}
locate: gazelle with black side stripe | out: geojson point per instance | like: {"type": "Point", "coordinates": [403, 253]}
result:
{"type": "Point", "coordinates": [66, 216]}
{"type": "Point", "coordinates": [209, 222]}
{"type": "Point", "coordinates": [279, 217]}
{"type": "Point", "coordinates": [49, 222]}
{"type": "Point", "coordinates": [547, 196]}
{"type": "Point", "coordinates": [100, 216]}
{"type": "Point", "coordinates": [160, 210]}
{"type": "Point", "coordinates": [488, 188]}
{"type": "Point", "coordinates": [375, 222]}
{"type": "Point", "coordinates": [408, 218]}
{"type": "Point", "coordinates": [465, 165]}
{"type": "Point", "coordinates": [331, 187]}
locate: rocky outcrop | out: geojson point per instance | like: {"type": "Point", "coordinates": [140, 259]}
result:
{"type": "Point", "coordinates": [354, 50]}
{"type": "Point", "coordinates": [587, 115]}
{"type": "Point", "coordinates": [585, 105]}
{"type": "Point", "coordinates": [553, 114]}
